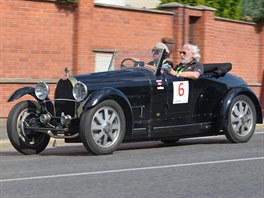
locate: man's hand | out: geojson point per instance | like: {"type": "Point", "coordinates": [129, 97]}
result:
{"type": "Point", "coordinates": [139, 64]}
{"type": "Point", "coordinates": [166, 67]}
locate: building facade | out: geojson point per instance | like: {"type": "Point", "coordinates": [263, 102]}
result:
{"type": "Point", "coordinates": [38, 39]}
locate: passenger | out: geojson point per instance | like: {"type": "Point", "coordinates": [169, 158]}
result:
{"type": "Point", "coordinates": [152, 65]}
{"type": "Point", "coordinates": [189, 67]}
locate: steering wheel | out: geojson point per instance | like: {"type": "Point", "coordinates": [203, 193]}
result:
{"type": "Point", "coordinates": [136, 63]}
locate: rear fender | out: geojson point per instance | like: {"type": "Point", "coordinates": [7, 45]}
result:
{"type": "Point", "coordinates": [224, 106]}
{"type": "Point", "coordinates": [113, 94]}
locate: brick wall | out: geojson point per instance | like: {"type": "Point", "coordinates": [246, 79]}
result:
{"type": "Point", "coordinates": [224, 40]}
{"type": "Point", "coordinates": [238, 43]}
{"type": "Point", "coordinates": [35, 43]}
{"type": "Point", "coordinates": [132, 30]}
{"type": "Point", "coordinates": [38, 39]}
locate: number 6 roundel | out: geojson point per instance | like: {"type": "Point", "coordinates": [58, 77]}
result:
{"type": "Point", "coordinates": [180, 92]}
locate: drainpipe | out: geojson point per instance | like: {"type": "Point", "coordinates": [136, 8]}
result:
{"type": "Point", "coordinates": [183, 24]}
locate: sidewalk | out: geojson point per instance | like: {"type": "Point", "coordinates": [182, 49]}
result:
{"type": "Point", "coordinates": [3, 134]}
{"type": "Point", "coordinates": [5, 144]}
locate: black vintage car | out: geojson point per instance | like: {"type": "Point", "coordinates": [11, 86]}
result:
{"type": "Point", "coordinates": [104, 109]}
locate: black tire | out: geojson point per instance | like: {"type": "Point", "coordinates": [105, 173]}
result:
{"type": "Point", "coordinates": [241, 120]}
{"type": "Point", "coordinates": [172, 141]}
{"type": "Point", "coordinates": [101, 135]}
{"type": "Point", "coordinates": [23, 140]}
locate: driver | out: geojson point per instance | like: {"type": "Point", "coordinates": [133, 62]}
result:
{"type": "Point", "coordinates": [156, 52]}
{"type": "Point", "coordinates": [189, 67]}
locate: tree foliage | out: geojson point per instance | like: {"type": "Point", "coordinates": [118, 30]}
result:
{"type": "Point", "coordinates": [253, 9]}
{"type": "Point", "coordinates": [225, 8]}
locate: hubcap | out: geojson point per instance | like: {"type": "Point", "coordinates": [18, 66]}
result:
{"type": "Point", "coordinates": [106, 127]}
{"type": "Point", "coordinates": [25, 119]}
{"type": "Point", "coordinates": [241, 118]}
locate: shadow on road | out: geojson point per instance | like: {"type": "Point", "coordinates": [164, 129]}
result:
{"type": "Point", "coordinates": [79, 150]}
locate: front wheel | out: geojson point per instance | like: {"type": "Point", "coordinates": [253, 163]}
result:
{"type": "Point", "coordinates": [102, 128]}
{"type": "Point", "coordinates": [241, 120]}
{"type": "Point", "coordinates": [26, 141]}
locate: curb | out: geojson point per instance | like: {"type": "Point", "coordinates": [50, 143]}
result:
{"type": "Point", "coordinates": [5, 145]}
{"type": "Point", "coordinates": [3, 121]}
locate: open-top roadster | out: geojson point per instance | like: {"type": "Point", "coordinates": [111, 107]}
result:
{"type": "Point", "coordinates": [104, 109]}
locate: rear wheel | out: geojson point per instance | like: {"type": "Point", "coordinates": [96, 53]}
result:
{"type": "Point", "coordinates": [241, 120]}
{"type": "Point", "coordinates": [25, 141]}
{"type": "Point", "coordinates": [102, 128]}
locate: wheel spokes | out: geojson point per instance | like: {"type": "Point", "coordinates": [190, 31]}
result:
{"type": "Point", "coordinates": [236, 111]}
{"type": "Point", "coordinates": [241, 118]}
{"type": "Point", "coordinates": [105, 127]}
{"type": "Point", "coordinates": [112, 118]}
{"type": "Point", "coordinates": [99, 118]}
{"type": "Point", "coordinates": [24, 121]}
{"type": "Point", "coordinates": [99, 136]}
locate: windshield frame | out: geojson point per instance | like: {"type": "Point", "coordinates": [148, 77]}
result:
{"type": "Point", "coordinates": [110, 67]}
{"type": "Point", "coordinates": [159, 64]}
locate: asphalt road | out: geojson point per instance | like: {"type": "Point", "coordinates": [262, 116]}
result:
{"type": "Point", "coordinates": [202, 167]}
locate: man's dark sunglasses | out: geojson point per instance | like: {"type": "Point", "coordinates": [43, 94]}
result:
{"type": "Point", "coordinates": [155, 51]}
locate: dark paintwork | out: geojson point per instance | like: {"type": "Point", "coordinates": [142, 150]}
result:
{"type": "Point", "coordinates": [149, 111]}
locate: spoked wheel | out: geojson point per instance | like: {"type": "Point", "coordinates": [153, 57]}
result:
{"type": "Point", "coordinates": [241, 120]}
{"type": "Point", "coordinates": [26, 141]}
{"type": "Point", "coordinates": [102, 128]}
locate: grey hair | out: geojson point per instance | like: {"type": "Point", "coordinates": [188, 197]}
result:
{"type": "Point", "coordinates": [194, 49]}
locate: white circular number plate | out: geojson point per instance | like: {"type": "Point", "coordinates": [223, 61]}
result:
{"type": "Point", "coordinates": [180, 92]}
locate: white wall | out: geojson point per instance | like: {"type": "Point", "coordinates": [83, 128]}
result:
{"type": "Point", "coordinates": [132, 3]}
{"type": "Point", "coordinates": [143, 3]}
{"type": "Point", "coordinates": [112, 2]}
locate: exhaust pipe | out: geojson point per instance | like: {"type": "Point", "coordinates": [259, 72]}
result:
{"type": "Point", "coordinates": [62, 136]}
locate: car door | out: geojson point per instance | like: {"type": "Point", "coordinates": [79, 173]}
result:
{"type": "Point", "coordinates": [179, 97]}
{"type": "Point", "coordinates": [181, 112]}
{"type": "Point", "coordinates": [191, 102]}
{"type": "Point", "coordinates": [159, 100]}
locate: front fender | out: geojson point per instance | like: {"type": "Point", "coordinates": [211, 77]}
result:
{"type": "Point", "coordinates": [113, 94]}
{"type": "Point", "coordinates": [30, 91]}
{"type": "Point", "coordinates": [21, 92]}
{"type": "Point", "coordinates": [224, 106]}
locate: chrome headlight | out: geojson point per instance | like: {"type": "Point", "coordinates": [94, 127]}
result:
{"type": "Point", "coordinates": [79, 91]}
{"type": "Point", "coordinates": [42, 90]}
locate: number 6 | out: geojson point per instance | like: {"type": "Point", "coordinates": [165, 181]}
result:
{"type": "Point", "coordinates": [180, 90]}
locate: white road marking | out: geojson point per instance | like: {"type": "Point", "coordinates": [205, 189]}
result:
{"type": "Point", "coordinates": [261, 132]}
{"type": "Point", "coordinates": [131, 169]}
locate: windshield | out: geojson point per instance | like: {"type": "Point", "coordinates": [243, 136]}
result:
{"type": "Point", "coordinates": [124, 59]}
